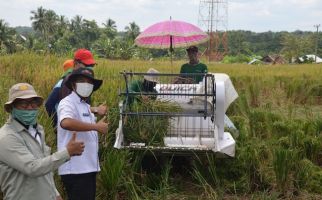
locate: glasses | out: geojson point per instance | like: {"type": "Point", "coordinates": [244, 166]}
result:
{"type": "Point", "coordinates": [24, 104]}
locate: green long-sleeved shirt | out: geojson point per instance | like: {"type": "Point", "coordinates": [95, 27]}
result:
{"type": "Point", "coordinates": [137, 86]}
{"type": "Point", "coordinates": [198, 68]}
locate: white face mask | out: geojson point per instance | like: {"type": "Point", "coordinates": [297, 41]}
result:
{"type": "Point", "coordinates": [84, 89]}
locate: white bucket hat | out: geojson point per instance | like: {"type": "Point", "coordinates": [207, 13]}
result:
{"type": "Point", "coordinates": [21, 91]}
{"type": "Point", "coordinates": [152, 78]}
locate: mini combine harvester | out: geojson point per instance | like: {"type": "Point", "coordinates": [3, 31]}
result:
{"type": "Point", "coordinates": [193, 121]}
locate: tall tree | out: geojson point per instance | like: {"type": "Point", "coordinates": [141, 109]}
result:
{"type": "Point", "coordinates": [6, 36]}
{"type": "Point", "coordinates": [39, 20]}
{"type": "Point", "coordinates": [76, 23]}
{"type": "Point", "coordinates": [51, 19]}
{"type": "Point", "coordinates": [62, 25]}
{"type": "Point", "coordinates": [290, 46]}
{"type": "Point", "coordinates": [90, 33]}
{"type": "Point", "coordinates": [76, 28]}
{"type": "Point", "coordinates": [44, 21]}
{"type": "Point", "coordinates": [132, 31]}
{"type": "Point", "coordinates": [110, 28]}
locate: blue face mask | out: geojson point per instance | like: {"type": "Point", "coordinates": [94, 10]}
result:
{"type": "Point", "coordinates": [27, 117]}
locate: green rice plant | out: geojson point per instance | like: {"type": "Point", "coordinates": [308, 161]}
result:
{"type": "Point", "coordinates": [207, 167]}
{"type": "Point", "coordinates": [300, 90]}
{"type": "Point", "coordinates": [254, 92]}
{"type": "Point", "coordinates": [241, 124]}
{"type": "Point", "coordinates": [242, 105]}
{"type": "Point", "coordinates": [282, 128]}
{"type": "Point", "coordinates": [132, 190]}
{"type": "Point", "coordinates": [302, 173]}
{"type": "Point", "coordinates": [265, 195]}
{"type": "Point", "coordinates": [252, 158]}
{"type": "Point", "coordinates": [308, 176]}
{"type": "Point", "coordinates": [310, 128]}
{"type": "Point", "coordinates": [312, 148]}
{"type": "Point", "coordinates": [314, 93]}
{"type": "Point", "coordinates": [318, 125]}
{"type": "Point", "coordinates": [209, 190]}
{"type": "Point", "coordinates": [112, 175]}
{"type": "Point", "coordinates": [296, 138]}
{"type": "Point", "coordinates": [6, 83]}
{"type": "Point", "coordinates": [283, 161]}
{"type": "Point", "coordinates": [260, 122]}
{"type": "Point", "coordinates": [148, 129]}
{"type": "Point", "coordinates": [160, 182]}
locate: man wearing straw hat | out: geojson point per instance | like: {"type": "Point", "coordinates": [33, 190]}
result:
{"type": "Point", "coordinates": [147, 85]}
{"type": "Point", "coordinates": [25, 162]}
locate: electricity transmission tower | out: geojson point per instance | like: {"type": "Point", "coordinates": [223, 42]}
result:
{"type": "Point", "coordinates": [213, 17]}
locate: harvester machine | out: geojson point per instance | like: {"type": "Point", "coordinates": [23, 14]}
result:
{"type": "Point", "coordinates": [179, 116]}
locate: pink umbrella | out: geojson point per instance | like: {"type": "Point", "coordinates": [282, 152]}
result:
{"type": "Point", "coordinates": [171, 34]}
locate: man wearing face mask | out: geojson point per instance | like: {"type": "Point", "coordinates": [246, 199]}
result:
{"type": "Point", "coordinates": [25, 162]}
{"type": "Point", "coordinates": [83, 58]}
{"type": "Point", "coordinates": [74, 114]}
{"type": "Point", "coordinates": [147, 85]}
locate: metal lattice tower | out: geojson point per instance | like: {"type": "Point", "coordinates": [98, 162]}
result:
{"type": "Point", "coordinates": [213, 17]}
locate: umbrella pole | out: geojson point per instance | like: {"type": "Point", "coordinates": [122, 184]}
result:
{"type": "Point", "coordinates": [171, 48]}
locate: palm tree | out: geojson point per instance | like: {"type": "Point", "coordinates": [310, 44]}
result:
{"type": "Point", "coordinates": [51, 20]}
{"type": "Point", "coordinates": [76, 23]}
{"type": "Point", "coordinates": [44, 21]}
{"type": "Point", "coordinates": [6, 36]}
{"type": "Point", "coordinates": [39, 21]}
{"type": "Point", "coordinates": [110, 28]}
{"type": "Point", "coordinates": [62, 25]}
{"type": "Point", "coordinates": [89, 33]}
{"type": "Point", "coordinates": [110, 23]}
{"type": "Point", "coordinates": [132, 31]}
{"type": "Point", "coordinates": [63, 21]}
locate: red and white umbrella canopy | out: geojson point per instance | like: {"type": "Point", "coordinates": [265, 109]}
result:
{"type": "Point", "coordinates": [171, 34]}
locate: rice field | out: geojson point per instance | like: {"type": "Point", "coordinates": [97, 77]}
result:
{"type": "Point", "coordinates": [279, 147]}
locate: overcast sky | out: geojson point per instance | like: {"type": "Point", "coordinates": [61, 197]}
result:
{"type": "Point", "coordinates": [254, 15]}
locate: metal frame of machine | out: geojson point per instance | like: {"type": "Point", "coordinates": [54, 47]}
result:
{"type": "Point", "coordinates": [197, 127]}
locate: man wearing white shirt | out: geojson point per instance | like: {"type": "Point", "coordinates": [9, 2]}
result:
{"type": "Point", "coordinates": [74, 114]}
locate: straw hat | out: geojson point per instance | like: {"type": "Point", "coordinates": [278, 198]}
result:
{"type": "Point", "coordinates": [21, 91]}
{"type": "Point", "coordinates": [152, 78]}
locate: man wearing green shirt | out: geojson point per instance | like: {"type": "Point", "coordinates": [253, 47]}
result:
{"type": "Point", "coordinates": [193, 66]}
{"type": "Point", "coordinates": [147, 85]}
